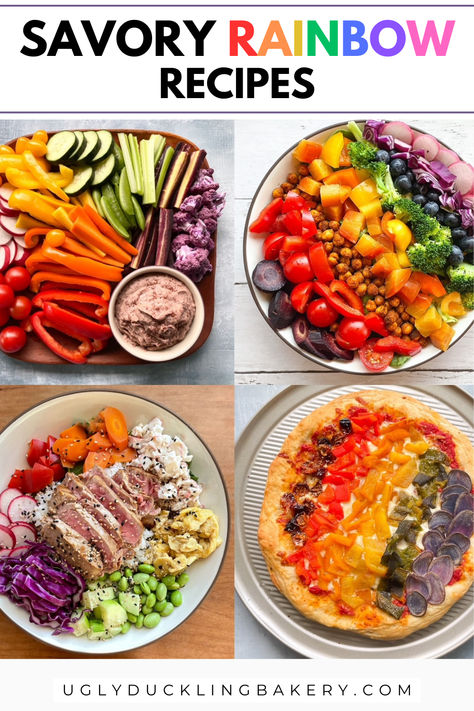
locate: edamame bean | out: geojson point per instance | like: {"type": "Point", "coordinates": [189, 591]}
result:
{"type": "Point", "coordinates": [152, 584]}
{"type": "Point", "coordinates": [151, 599]}
{"type": "Point", "coordinates": [146, 610]}
{"type": "Point", "coordinates": [167, 610]}
{"type": "Point", "coordinates": [176, 598]}
{"type": "Point", "coordinates": [123, 584]}
{"type": "Point", "coordinates": [140, 578]}
{"type": "Point", "coordinates": [125, 627]}
{"type": "Point", "coordinates": [173, 586]}
{"type": "Point", "coordinates": [139, 622]}
{"type": "Point", "coordinates": [145, 568]}
{"type": "Point", "coordinates": [151, 620]}
{"type": "Point", "coordinates": [183, 579]}
{"type": "Point", "coordinates": [115, 577]}
{"type": "Point", "coordinates": [128, 572]}
{"type": "Point", "coordinates": [131, 618]}
{"type": "Point", "coordinates": [136, 589]}
{"type": "Point", "coordinates": [143, 599]}
{"type": "Point", "coordinates": [168, 580]}
{"type": "Point", "coordinates": [161, 591]}
{"type": "Point", "coordinates": [145, 588]}
{"type": "Point", "coordinates": [160, 605]}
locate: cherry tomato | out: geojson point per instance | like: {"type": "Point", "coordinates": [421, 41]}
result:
{"type": "Point", "coordinates": [12, 339]}
{"type": "Point", "coordinates": [272, 245]}
{"type": "Point", "coordinates": [4, 316]}
{"type": "Point", "coordinates": [21, 308]}
{"type": "Point", "coordinates": [298, 268]}
{"type": "Point", "coordinates": [352, 333]}
{"type": "Point", "coordinates": [321, 314]}
{"type": "Point", "coordinates": [283, 257]}
{"type": "Point", "coordinates": [7, 296]}
{"type": "Point", "coordinates": [300, 296]}
{"type": "Point", "coordinates": [373, 360]}
{"type": "Point", "coordinates": [2, 279]}
{"type": "Point", "coordinates": [18, 278]}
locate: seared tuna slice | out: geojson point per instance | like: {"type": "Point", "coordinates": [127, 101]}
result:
{"type": "Point", "coordinates": [91, 503]}
{"type": "Point", "coordinates": [131, 526]}
{"type": "Point", "coordinates": [73, 547]}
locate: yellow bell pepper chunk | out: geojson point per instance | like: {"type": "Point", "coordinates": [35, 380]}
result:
{"type": "Point", "coordinates": [332, 149]}
{"type": "Point", "coordinates": [364, 193]}
{"type": "Point", "coordinates": [430, 321]}
{"type": "Point", "coordinates": [403, 259]}
{"type": "Point", "coordinates": [399, 458]}
{"type": "Point", "coordinates": [451, 304]}
{"type": "Point", "coordinates": [35, 205]}
{"type": "Point", "coordinates": [21, 179]}
{"type": "Point", "coordinates": [348, 592]}
{"type": "Point", "coordinates": [419, 447]}
{"type": "Point", "coordinates": [367, 246]}
{"type": "Point", "coordinates": [372, 209]}
{"type": "Point", "coordinates": [42, 176]}
{"type": "Point", "coordinates": [405, 474]}
{"type": "Point", "coordinates": [380, 570]}
{"type": "Point", "coordinates": [382, 529]}
{"type": "Point", "coordinates": [25, 222]}
{"type": "Point", "coordinates": [403, 234]}
{"type": "Point", "coordinates": [319, 169]}
{"type": "Point", "coordinates": [442, 337]}
{"type": "Point", "coordinates": [367, 528]}
{"type": "Point", "coordinates": [386, 495]}
{"type": "Point", "coordinates": [354, 555]}
{"type": "Point", "coordinates": [86, 199]}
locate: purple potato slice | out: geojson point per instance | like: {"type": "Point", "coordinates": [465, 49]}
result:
{"type": "Point", "coordinates": [432, 540]}
{"type": "Point", "coordinates": [300, 328]}
{"type": "Point", "coordinates": [415, 583]}
{"type": "Point", "coordinates": [452, 550]}
{"type": "Point", "coordinates": [315, 343]}
{"type": "Point", "coordinates": [449, 503]}
{"type": "Point", "coordinates": [438, 519]}
{"type": "Point", "coordinates": [452, 489]}
{"type": "Point", "coordinates": [422, 562]}
{"type": "Point", "coordinates": [335, 348]}
{"type": "Point", "coordinates": [416, 604]}
{"type": "Point", "coordinates": [437, 591]}
{"type": "Point", "coordinates": [461, 541]}
{"type": "Point", "coordinates": [280, 311]}
{"type": "Point", "coordinates": [458, 476]}
{"type": "Point", "coordinates": [462, 523]}
{"type": "Point", "coordinates": [464, 503]}
{"type": "Point", "coordinates": [268, 276]}
{"type": "Point", "coordinates": [443, 567]}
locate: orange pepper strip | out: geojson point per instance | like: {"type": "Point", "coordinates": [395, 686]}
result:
{"type": "Point", "coordinates": [116, 427]}
{"type": "Point", "coordinates": [59, 238]}
{"type": "Point", "coordinates": [107, 230]}
{"type": "Point", "coordinates": [32, 235]}
{"type": "Point", "coordinates": [84, 228]}
{"type": "Point", "coordinates": [82, 265]}
{"type": "Point", "coordinates": [81, 282]}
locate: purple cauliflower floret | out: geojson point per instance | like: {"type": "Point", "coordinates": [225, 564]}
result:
{"type": "Point", "coordinates": [204, 182]}
{"type": "Point", "coordinates": [197, 240]}
{"type": "Point", "coordinates": [192, 203]}
{"type": "Point", "coordinates": [193, 261]}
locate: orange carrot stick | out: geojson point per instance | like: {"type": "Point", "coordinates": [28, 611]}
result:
{"type": "Point", "coordinates": [84, 228]}
{"type": "Point", "coordinates": [107, 230]}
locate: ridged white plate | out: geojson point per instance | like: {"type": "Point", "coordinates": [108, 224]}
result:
{"type": "Point", "coordinates": [57, 413]}
{"type": "Point", "coordinates": [256, 449]}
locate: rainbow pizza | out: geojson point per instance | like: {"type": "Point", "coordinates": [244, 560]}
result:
{"type": "Point", "coordinates": [367, 519]}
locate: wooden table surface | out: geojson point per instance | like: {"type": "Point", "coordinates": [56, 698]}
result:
{"type": "Point", "coordinates": [209, 632]}
{"type": "Point", "coordinates": [260, 355]}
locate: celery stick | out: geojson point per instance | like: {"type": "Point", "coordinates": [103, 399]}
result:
{"type": "Point", "coordinates": [167, 157]}
{"type": "Point", "coordinates": [137, 164]}
{"type": "Point", "coordinates": [159, 144]}
{"type": "Point", "coordinates": [148, 168]}
{"type": "Point", "coordinates": [124, 145]}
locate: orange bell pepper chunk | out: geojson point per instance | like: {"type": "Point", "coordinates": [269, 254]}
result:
{"type": "Point", "coordinates": [364, 193]}
{"type": "Point", "coordinates": [332, 195]}
{"type": "Point", "coordinates": [306, 151]}
{"type": "Point", "coordinates": [367, 246]}
{"type": "Point", "coordinates": [343, 177]}
{"type": "Point", "coordinates": [74, 432]}
{"type": "Point", "coordinates": [430, 284]}
{"type": "Point", "coordinates": [430, 321]}
{"type": "Point", "coordinates": [397, 434]}
{"type": "Point", "coordinates": [410, 291]}
{"type": "Point", "coordinates": [385, 264]}
{"type": "Point", "coordinates": [374, 226]}
{"type": "Point", "coordinates": [334, 212]}
{"type": "Point", "coordinates": [405, 474]}
{"type": "Point", "coordinates": [352, 225]}
{"type": "Point", "coordinates": [387, 217]}
{"type": "Point", "coordinates": [419, 447]}
{"type": "Point", "coordinates": [310, 186]}
{"type": "Point", "coordinates": [97, 459]}
{"type": "Point", "coordinates": [319, 169]}
{"type": "Point", "coordinates": [442, 337]}
{"type": "Point", "coordinates": [116, 427]}
{"type": "Point", "coordinates": [345, 157]}
{"type": "Point", "coordinates": [420, 305]}
{"type": "Point", "coordinates": [396, 280]}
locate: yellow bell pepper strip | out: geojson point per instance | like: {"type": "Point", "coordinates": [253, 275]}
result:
{"type": "Point", "coordinates": [34, 204]}
{"type": "Point", "coordinates": [37, 147]}
{"type": "Point", "coordinates": [86, 199]}
{"type": "Point", "coordinates": [21, 179]}
{"type": "Point", "coordinates": [6, 150]}
{"type": "Point", "coordinates": [41, 135]}
{"type": "Point", "coordinates": [62, 216]}
{"type": "Point", "coordinates": [332, 149]}
{"type": "Point", "coordinates": [77, 355]}
{"type": "Point", "coordinates": [84, 228]}
{"type": "Point", "coordinates": [442, 337]}
{"type": "Point", "coordinates": [403, 234]}
{"type": "Point", "coordinates": [42, 176]}
{"type": "Point", "coordinates": [82, 265]}
{"type": "Point", "coordinates": [108, 231]}
{"type": "Point", "coordinates": [80, 282]}
{"type": "Point", "coordinates": [25, 222]}
{"type": "Point", "coordinates": [451, 305]}
{"type": "Point", "coordinates": [11, 160]}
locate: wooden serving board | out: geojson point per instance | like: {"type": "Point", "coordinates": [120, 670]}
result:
{"type": "Point", "coordinates": [36, 352]}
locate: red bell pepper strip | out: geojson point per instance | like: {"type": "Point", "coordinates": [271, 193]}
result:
{"type": "Point", "coordinates": [308, 225]}
{"type": "Point", "coordinates": [77, 355]}
{"type": "Point", "coordinates": [320, 264]}
{"type": "Point", "coordinates": [336, 302]}
{"type": "Point", "coordinates": [293, 201]}
{"type": "Point", "coordinates": [85, 309]}
{"type": "Point", "coordinates": [376, 323]}
{"type": "Point", "coordinates": [85, 297]}
{"type": "Point", "coordinates": [65, 319]}
{"type": "Point", "coordinates": [301, 295]}
{"type": "Point", "coordinates": [267, 217]}
{"type": "Point", "coordinates": [336, 509]}
{"type": "Point", "coordinates": [340, 287]}
{"type": "Point", "coordinates": [293, 222]}
{"type": "Point", "coordinates": [398, 345]}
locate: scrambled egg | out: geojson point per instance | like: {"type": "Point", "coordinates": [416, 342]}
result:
{"type": "Point", "coordinates": [179, 541]}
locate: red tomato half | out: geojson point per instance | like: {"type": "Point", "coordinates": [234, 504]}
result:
{"type": "Point", "coordinates": [4, 316]}
{"type": "Point", "coordinates": [37, 449]}
{"type": "Point", "coordinates": [320, 314]}
{"type": "Point", "coordinates": [352, 333]}
{"type": "Point", "coordinates": [7, 296]}
{"type": "Point", "coordinates": [298, 268]}
{"type": "Point", "coordinates": [371, 359]}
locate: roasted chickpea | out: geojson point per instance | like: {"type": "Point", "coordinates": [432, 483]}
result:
{"type": "Point", "coordinates": [356, 264]}
{"type": "Point", "coordinates": [334, 225]}
{"type": "Point", "coordinates": [278, 192]}
{"type": "Point", "coordinates": [292, 178]}
{"type": "Point", "coordinates": [379, 300]}
{"type": "Point", "coordinates": [327, 235]}
{"type": "Point", "coordinates": [338, 240]}
{"type": "Point", "coordinates": [370, 305]}
{"type": "Point", "coordinates": [352, 282]}
{"type": "Point", "coordinates": [303, 169]}
{"type": "Point", "coordinates": [372, 289]}
{"type": "Point", "coordinates": [316, 215]}
{"type": "Point", "coordinates": [392, 327]}
{"type": "Point", "coordinates": [401, 308]}
{"type": "Point", "coordinates": [333, 259]}
{"type": "Point", "coordinates": [382, 290]}
{"type": "Point", "coordinates": [359, 277]}
{"type": "Point", "coordinates": [392, 316]}
{"type": "Point", "coordinates": [341, 268]}
{"type": "Point", "coordinates": [382, 310]}
{"type": "Point", "coordinates": [328, 246]}
{"type": "Point", "coordinates": [405, 316]}
{"type": "Point", "coordinates": [394, 301]}
{"type": "Point", "coordinates": [345, 252]}
{"type": "Point", "coordinates": [378, 281]}
{"type": "Point", "coordinates": [366, 273]}
{"type": "Point", "coordinates": [323, 225]}
{"type": "Point", "coordinates": [407, 328]}
{"type": "Point", "coordinates": [361, 289]}
{"type": "Point", "coordinates": [398, 331]}
{"type": "Point", "coordinates": [367, 261]}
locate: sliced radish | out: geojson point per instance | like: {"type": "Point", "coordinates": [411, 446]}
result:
{"type": "Point", "coordinates": [13, 247]}
{"type": "Point", "coordinates": [447, 157]}
{"type": "Point", "coordinates": [4, 520]}
{"type": "Point", "coordinates": [20, 241]}
{"type": "Point", "coordinates": [5, 552]}
{"type": "Point", "coordinates": [464, 176]}
{"type": "Point", "coordinates": [5, 237]}
{"type": "Point", "coordinates": [7, 538]}
{"type": "Point", "coordinates": [6, 497]}
{"type": "Point", "coordinates": [5, 191]}
{"type": "Point", "coordinates": [21, 254]}
{"type": "Point", "coordinates": [18, 551]}
{"type": "Point", "coordinates": [9, 225]}
{"type": "Point", "coordinates": [23, 532]}
{"type": "Point", "coordinates": [21, 508]}
{"type": "Point", "coordinates": [428, 144]}
{"type": "Point", "coordinates": [6, 210]}
{"type": "Point", "coordinates": [399, 130]}
{"type": "Point", "coordinates": [6, 251]}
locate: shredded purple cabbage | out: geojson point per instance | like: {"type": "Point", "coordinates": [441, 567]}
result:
{"type": "Point", "coordinates": [49, 590]}
{"type": "Point", "coordinates": [372, 130]}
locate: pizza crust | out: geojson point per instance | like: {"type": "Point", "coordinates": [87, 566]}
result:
{"type": "Point", "coordinates": [369, 619]}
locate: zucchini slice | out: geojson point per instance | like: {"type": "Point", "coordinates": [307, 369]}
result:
{"type": "Point", "coordinates": [91, 147]}
{"type": "Point", "coordinates": [81, 142]}
{"type": "Point", "coordinates": [82, 179]}
{"type": "Point", "coordinates": [61, 146]}
{"type": "Point", "coordinates": [106, 146]}
{"type": "Point", "coordinates": [103, 170]}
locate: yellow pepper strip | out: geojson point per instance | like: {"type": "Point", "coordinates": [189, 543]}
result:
{"type": "Point", "coordinates": [6, 150]}
{"type": "Point", "coordinates": [395, 435]}
{"type": "Point", "coordinates": [417, 447]}
{"type": "Point", "coordinates": [11, 160]}
{"type": "Point", "coordinates": [82, 265]}
{"type": "Point", "coordinates": [86, 199]}
{"type": "Point", "coordinates": [34, 204]}
{"type": "Point", "coordinates": [21, 179]}
{"type": "Point", "coordinates": [76, 201]}
{"type": "Point", "coordinates": [42, 176]}
{"type": "Point", "coordinates": [41, 136]}
{"type": "Point", "coordinates": [405, 474]}
{"type": "Point", "coordinates": [62, 217]}
{"type": "Point", "coordinates": [81, 282]}
{"type": "Point", "coordinates": [399, 458]}
{"type": "Point", "coordinates": [25, 222]}
{"type": "Point", "coordinates": [66, 171]}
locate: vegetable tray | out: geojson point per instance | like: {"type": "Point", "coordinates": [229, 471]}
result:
{"type": "Point", "coordinates": [36, 352]}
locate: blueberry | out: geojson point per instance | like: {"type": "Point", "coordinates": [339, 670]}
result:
{"type": "Point", "coordinates": [458, 233]}
{"type": "Point", "coordinates": [393, 152]}
{"type": "Point", "coordinates": [383, 156]}
{"type": "Point", "coordinates": [456, 257]}
{"type": "Point", "coordinates": [412, 177]}
{"type": "Point", "coordinates": [452, 219]}
{"type": "Point", "coordinates": [403, 184]}
{"type": "Point", "coordinates": [419, 200]}
{"type": "Point", "coordinates": [397, 167]}
{"type": "Point", "coordinates": [466, 244]}
{"type": "Point", "coordinates": [415, 189]}
{"type": "Point", "coordinates": [431, 208]}
{"type": "Point", "coordinates": [433, 195]}
{"type": "Point", "coordinates": [441, 217]}
{"type": "Point", "coordinates": [469, 257]}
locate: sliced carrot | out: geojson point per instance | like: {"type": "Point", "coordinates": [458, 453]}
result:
{"type": "Point", "coordinates": [74, 432]}
{"type": "Point", "coordinates": [98, 442]}
{"type": "Point", "coordinates": [74, 450]}
{"type": "Point", "coordinates": [108, 231]}
{"type": "Point", "coordinates": [96, 459]}
{"type": "Point", "coordinates": [116, 427]}
{"type": "Point", "coordinates": [126, 455]}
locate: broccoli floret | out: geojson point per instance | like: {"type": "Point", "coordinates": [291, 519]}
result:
{"type": "Point", "coordinates": [423, 226]}
{"type": "Point", "coordinates": [362, 154]}
{"type": "Point", "coordinates": [431, 256]}
{"type": "Point", "coordinates": [468, 300]}
{"type": "Point", "coordinates": [461, 278]}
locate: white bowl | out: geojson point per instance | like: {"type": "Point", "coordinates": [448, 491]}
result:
{"type": "Point", "coordinates": [57, 413]}
{"type": "Point", "coordinates": [179, 349]}
{"type": "Point", "coordinates": [253, 254]}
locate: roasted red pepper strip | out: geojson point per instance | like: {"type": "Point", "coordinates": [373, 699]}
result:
{"type": "Point", "coordinates": [340, 287]}
{"type": "Point", "coordinates": [293, 201]}
{"type": "Point", "coordinates": [336, 302]}
{"type": "Point", "coordinates": [65, 319]}
{"type": "Point", "coordinates": [376, 323]}
{"type": "Point", "coordinates": [319, 263]}
{"type": "Point", "coordinates": [398, 345]}
{"type": "Point", "coordinates": [85, 297]}
{"type": "Point", "coordinates": [267, 217]}
{"type": "Point", "coordinates": [77, 355]}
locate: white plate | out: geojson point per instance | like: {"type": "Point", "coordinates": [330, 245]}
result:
{"type": "Point", "coordinates": [253, 254]}
{"type": "Point", "coordinates": [255, 451]}
{"type": "Point", "coordinates": [54, 415]}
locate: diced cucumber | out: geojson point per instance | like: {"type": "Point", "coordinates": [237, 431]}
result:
{"type": "Point", "coordinates": [61, 146]}
{"type": "Point", "coordinates": [140, 217]}
{"type": "Point", "coordinates": [96, 626]}
{"type": "Point", "coordinates": [124, 193]}
{"type": "Point", "coordinates": [91, 147]}
{"type": "Point", "coordinates": [130, 602]}
{"type": "Point", "coordinates": [118, 155]}
{"type": "Point", "coordinates": [136, 164]}
{"type": "Point", "coordinates": [83, 177]}
{"type": "Point", "coordinates": [81, 142]}
{"type": "Point", "coordinates": [92, 598]}
{"type": "Point", "coordinates": [110, 217]}
{"type": "Point", "coordinates": [81, 625]}
{"type": "Point", "coordinates": [103, 171]}
{"type": "Point", "coordinates": [113, 614]}
{"type": "Point", "coordinates": [96, 198]}
{"type": "Point", "coordinates": [127, 157]}
{"type": "Point", "coordinates": [106, 146]}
